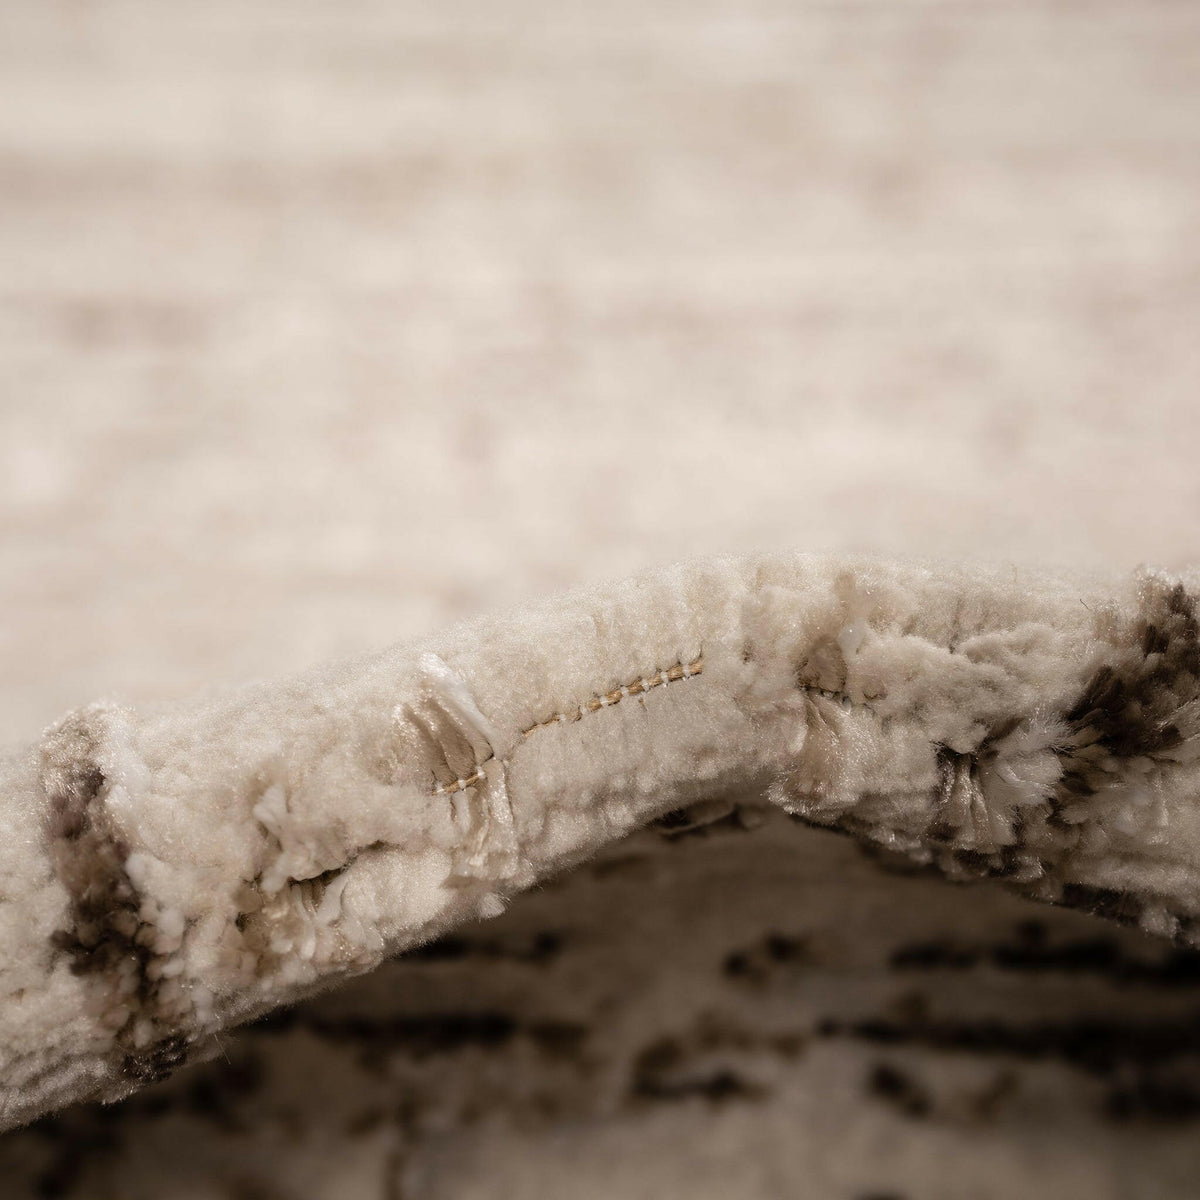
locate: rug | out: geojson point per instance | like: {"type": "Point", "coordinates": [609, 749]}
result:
{"type": "Point", "coordinates": [328, 328]}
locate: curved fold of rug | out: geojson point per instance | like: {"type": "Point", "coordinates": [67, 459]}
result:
{"type": "Point", "coordinates": [168, 874]}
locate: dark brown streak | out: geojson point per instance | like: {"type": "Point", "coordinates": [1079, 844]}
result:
{"type": "Point", "coordinates": [105, 933]}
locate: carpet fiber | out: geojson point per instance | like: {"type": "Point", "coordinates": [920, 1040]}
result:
{"type": "Point", "coordinates": [326, 327]}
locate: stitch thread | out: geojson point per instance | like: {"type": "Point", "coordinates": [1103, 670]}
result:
{"type": "Point", "coordinates": [638, 687]}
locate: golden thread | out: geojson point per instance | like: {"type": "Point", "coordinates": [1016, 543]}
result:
{"type": "Point", "coordinates": [639, 687]}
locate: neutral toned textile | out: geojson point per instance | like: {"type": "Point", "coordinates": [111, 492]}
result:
{"type": "Point", "coordinates": [323, 327]}
{"type": "Point", "coordinates": [170, 874]}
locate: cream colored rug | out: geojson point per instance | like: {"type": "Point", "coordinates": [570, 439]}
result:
{"type": "Point", "coordinates": [325, 328]}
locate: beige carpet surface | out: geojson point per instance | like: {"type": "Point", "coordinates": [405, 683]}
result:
{"type": "Point", "coordinates": [323, 326]}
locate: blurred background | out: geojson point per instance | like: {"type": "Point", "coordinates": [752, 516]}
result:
{"type": "Point", "coordinates": [323, 324]}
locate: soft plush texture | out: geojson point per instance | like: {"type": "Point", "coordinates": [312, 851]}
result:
{"type": "Point", "coordinates": [326, 325]}
{"type": "Point", "coordinates": [172, 873]}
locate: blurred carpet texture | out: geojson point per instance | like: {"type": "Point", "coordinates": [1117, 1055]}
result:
{"type": "Point", "coordinates": [323, 325]}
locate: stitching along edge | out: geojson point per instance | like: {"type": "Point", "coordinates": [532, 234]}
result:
{"type": "Point", "coordinates": [454, 727]}
{"type": "Point", "coordinates": [637, 687]}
